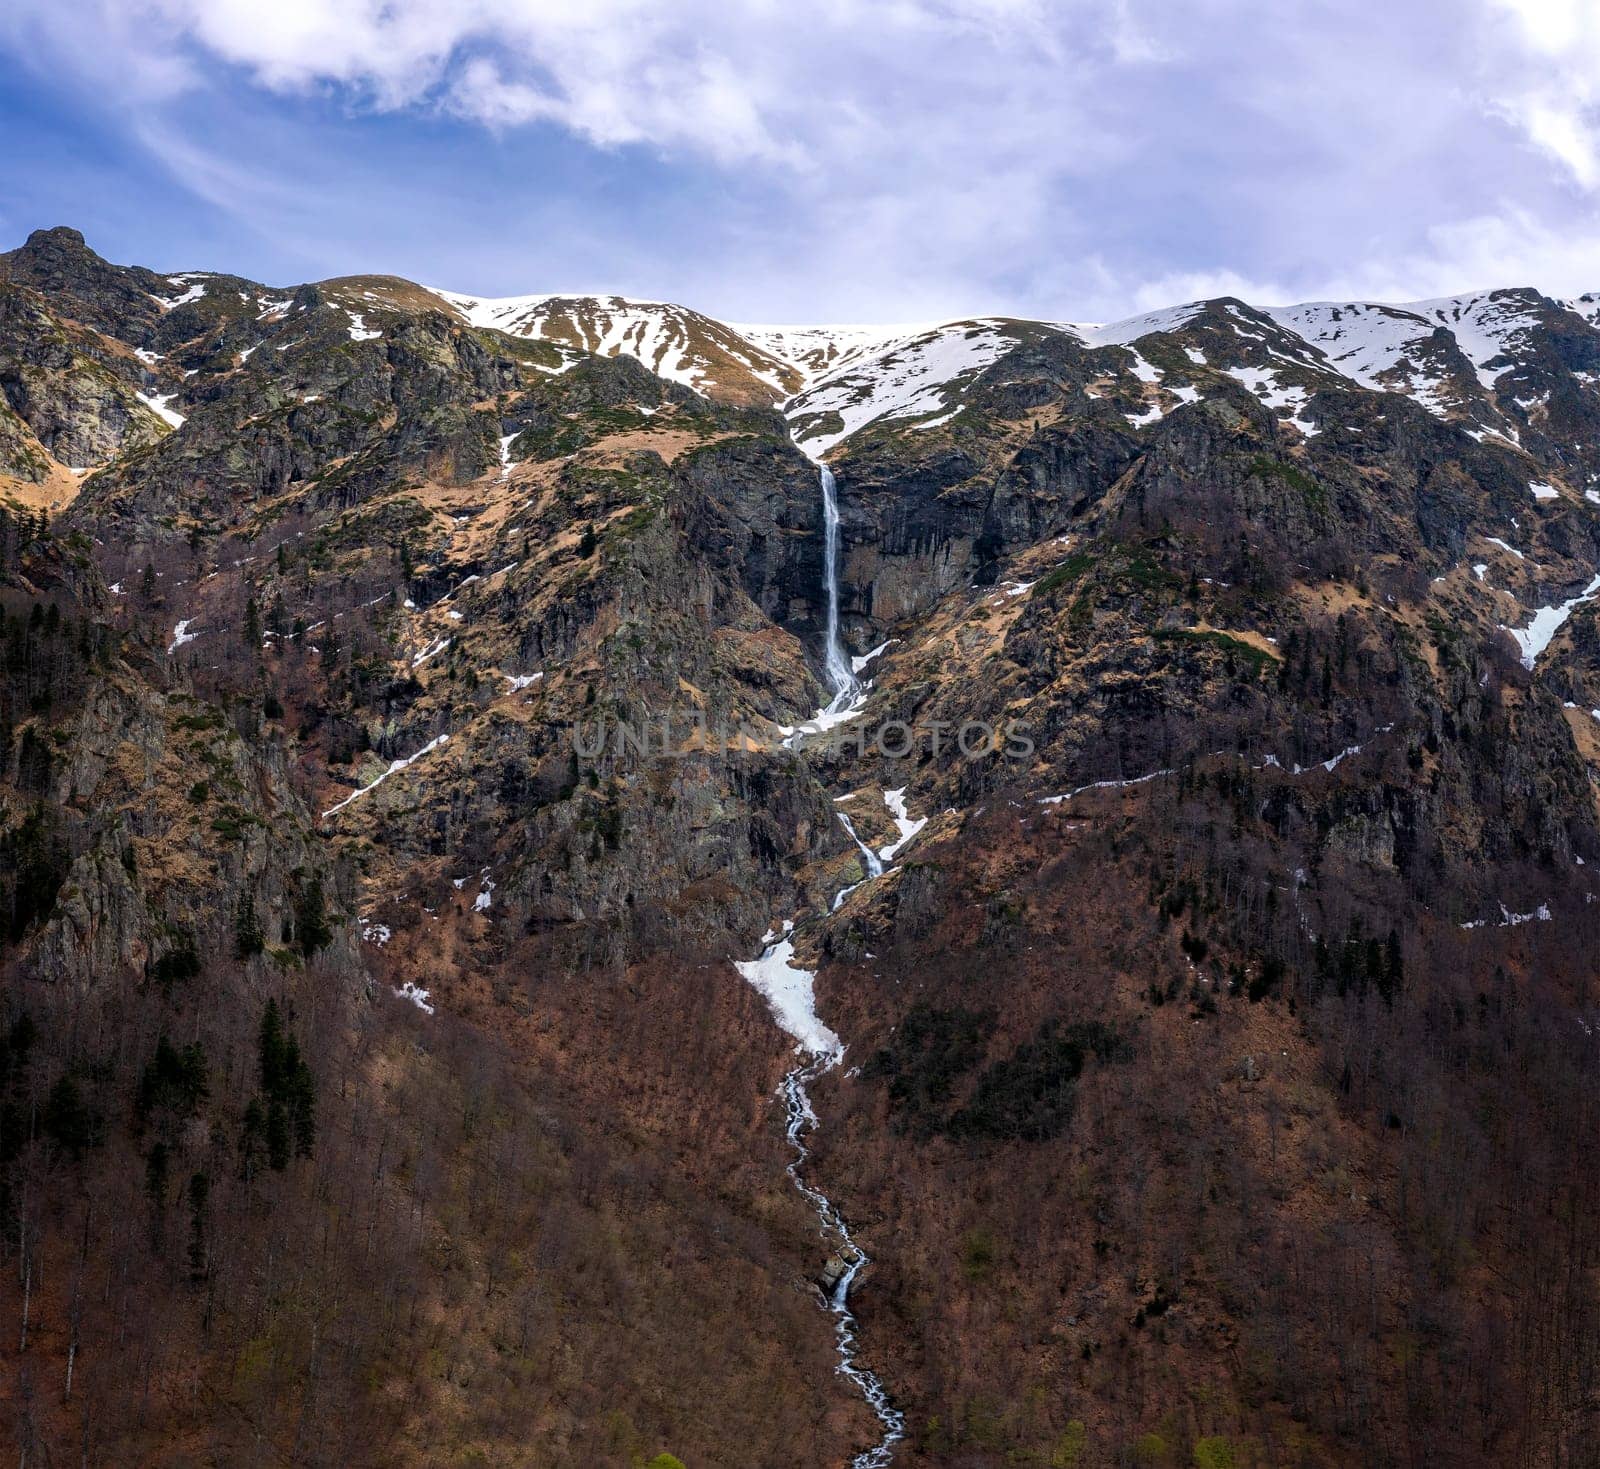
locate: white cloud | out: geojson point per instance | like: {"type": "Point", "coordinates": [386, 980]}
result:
{"type": "Point", "coordinates": [741, 81]}
{"type": "Point", "coordinates": [901, 158]}
{"type": "Point", "coordinates": [1547, 79]}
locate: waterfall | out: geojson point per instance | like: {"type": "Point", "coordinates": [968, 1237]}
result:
{"type": "Point", "coordinates": [871, 858]}
{"type": "Point", "coordinates": [790, 993]}
{"type": "Point", "coordinates": [836, 663]}
{"type": "Point", "coordinates": [847, 695]}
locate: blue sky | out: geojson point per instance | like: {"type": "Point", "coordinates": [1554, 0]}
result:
{"type": "Point", "coordinates": [829, 161]}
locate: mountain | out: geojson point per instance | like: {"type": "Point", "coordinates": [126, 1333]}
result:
{"type": "Point", "coordinates": [481, 978]}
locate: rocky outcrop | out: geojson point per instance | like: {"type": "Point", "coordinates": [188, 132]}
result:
{"type": "Point", "coordinates": [117, 300]}
{"type": "Point", "coordinates": [75, 391]}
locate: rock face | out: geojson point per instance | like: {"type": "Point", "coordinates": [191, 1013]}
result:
{"type": "Point", "coordinates": [1242, 661]}
{"type": "Point", "coordinates": [159, 831]}
{"type": "Point", "coordinates": [76, 392]}
{"type": "Point", "coordinates": [116, 300]}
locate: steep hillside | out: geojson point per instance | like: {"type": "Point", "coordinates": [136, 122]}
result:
{"type": "Point", "coordinates": [481, 981]}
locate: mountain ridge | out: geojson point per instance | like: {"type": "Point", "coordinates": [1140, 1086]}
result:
{"type": "Point", "coordinates": [1383, 345]}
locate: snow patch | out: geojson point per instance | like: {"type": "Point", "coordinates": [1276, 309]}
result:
{"type": "Point", "coordinates": [790, 993]}
{"type": "Point", "coordinates": [395, 768]}
{"type": "Point", "coordinates": [908, 378]}
{"type": "Point", "coordinates": [187, 292]}
{"type": "Point", "coordinates": [418, 997]}
{"type": "Point", "coordinates": [158, 406]}
{"type": "Point", "coordinates": [1508, 919]}
{"type": "Point", "coordinates": [1547, 622]}
{"type": "Point", "coordinates": [1103, 785]}
{"type": "Point", "coordinates": [907, 825]}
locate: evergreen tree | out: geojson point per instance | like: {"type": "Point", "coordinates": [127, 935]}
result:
{"type": "Point", "coordinates": [156, 1167]}
{"type": "Point", "coordinates": [302, 1102]}
{"type": "Point", "coordinates": [310, 920]}
{"type": "Point", "coordinates": [174, 1080]}
{"type": "Point", "coordinates": [247, 936]}
{"type": "Point", "coordinates": [282, 1122]}
{"type": "Point", "coordinates": [271, 1048]}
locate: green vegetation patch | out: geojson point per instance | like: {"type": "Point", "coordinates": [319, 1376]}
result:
{"type": "Point", "coordinates": [1258, 660]}
{"type": "Point", "coordinates": [1262, 467]}
{"type": "Point", "coordinates": [1063, 575]}
{"type": "Point", "coordinates": [931, 1049]}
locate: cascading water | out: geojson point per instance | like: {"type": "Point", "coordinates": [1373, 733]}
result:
{"type": "Point", "coordinates": [871, 858]}
{"type": "Point", "coordinates": [789, 991]}
{"type": "Point", "coordinates": [836, 665]}
{"type": "Point", "coordinates": [801, 1119]}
